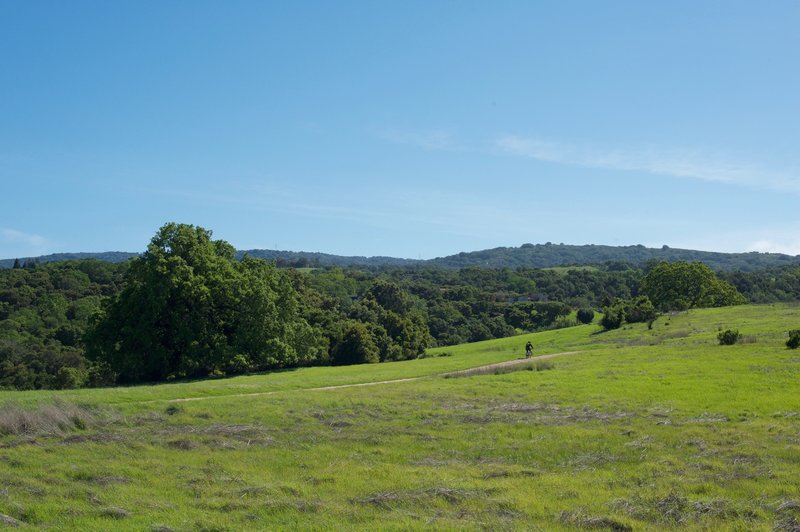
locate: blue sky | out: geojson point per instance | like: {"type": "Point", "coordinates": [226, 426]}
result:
{"type": "Point", "coordinates": [410, 129]}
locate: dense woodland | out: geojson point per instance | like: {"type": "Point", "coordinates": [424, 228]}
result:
{"type": "Point", "coordinates": [188, 307]}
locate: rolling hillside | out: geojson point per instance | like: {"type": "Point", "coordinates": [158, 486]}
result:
{"type": "Point", "coordinates": [528, 256]}
{"type": "Point", "coordinates": [639, 429]}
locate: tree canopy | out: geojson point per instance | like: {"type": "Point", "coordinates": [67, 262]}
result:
{"type": "Point", "coordinates": [685, 285]}
{"type": "Point", "coordinates": [190, 309]}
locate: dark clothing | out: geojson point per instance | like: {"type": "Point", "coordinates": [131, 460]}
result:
{"type": "Point", "coordinates": [528, 349]}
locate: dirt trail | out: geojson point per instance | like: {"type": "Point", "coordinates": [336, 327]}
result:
{"type": "Point", "coordinates": [514, 362]}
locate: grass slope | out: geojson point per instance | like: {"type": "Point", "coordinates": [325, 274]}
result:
{"type": "Point", "coordinates": [643, 429]}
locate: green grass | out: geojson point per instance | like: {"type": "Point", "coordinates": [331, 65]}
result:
{"type": "Point", "coordinates": [642, 429]}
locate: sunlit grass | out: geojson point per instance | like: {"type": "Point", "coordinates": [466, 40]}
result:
{"type": "Point", "coordinates": [642, 429]}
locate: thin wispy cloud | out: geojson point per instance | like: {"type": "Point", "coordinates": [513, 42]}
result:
{"type": "Point", "coordinates": [694, 164]}
{"type": "Point", "coordinates": [764, 238]}
{"type": "Point", "coordinates": [775, 239]}
{"type": "Point", "coordinates": [20, 237]}
{"type": "Point", "coordinates": [378, 207]}
{"type": "Point", "coordinates": [786, 246]}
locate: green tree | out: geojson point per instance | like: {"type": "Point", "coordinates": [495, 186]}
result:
{"type": "Point", "coordinates": [685, 285]}
{"type": "Point", "coordinates": [585, 315]}
{"type": "Point", "coordinates": [357, 346]}
{"type": "Point", "coordinates": [190, 309]}
{"type": "Point", "coordinates": [613, 315]}
{"type": "Point", "coordinates": [402, 331]}
{"type": "Point", "coordinates": [640, 310]}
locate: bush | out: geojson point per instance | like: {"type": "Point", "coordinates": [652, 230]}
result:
{"type": "Point", "coordinates": [613, 315]}
{"type": "Point", "coordinates": [794, 339]}
{"type": "Point", "coordinates": [728, 337]}
{"type": "Point", "coordinates": [585, 315]}
{"type": "Point", "coordinates": [357, 346]}
{"type": "Point", "coordinates": [238, 364]}
{"type": "Point", "coordinates": [100, 374]}
{"type": "Point", "coordinates": [69, 378]}
{"type": "Point", "coordinates": [640, 310]}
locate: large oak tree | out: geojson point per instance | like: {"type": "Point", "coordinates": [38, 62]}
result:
{"type": "Point", "coordinates": [190, 309]}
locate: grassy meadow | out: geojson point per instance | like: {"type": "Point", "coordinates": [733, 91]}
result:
{"type": "Point", "coordinates": [637, 429]}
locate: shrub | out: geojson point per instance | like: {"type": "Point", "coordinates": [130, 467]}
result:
{"type": "Point", "coordinates": [585, 315]}
{"type": "Point", "coordinates": [238, 364]}
{"type": "Point", "coordinates": [640, 310]}
{"type": "Point", "coordinates": [357, 346]}
{"type": "Point", "coordinates": [100, 374]}
{"type": "Point", "coordinates": [613, 315]}
{"type": "Point", "coordinates": [69, 378]}
{"type": "Point", "coordinates": [794, 339]}
{"type": "Point", "coordinates": [728, 337]}
{"type": "Point", "coordinates": [171, 410]}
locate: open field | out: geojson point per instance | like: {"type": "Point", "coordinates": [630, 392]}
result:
{"type": "Point", "coordinates": [639, 429]}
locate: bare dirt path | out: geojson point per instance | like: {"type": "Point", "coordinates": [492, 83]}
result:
{"type": "Point", "coordinates": [476, 370]}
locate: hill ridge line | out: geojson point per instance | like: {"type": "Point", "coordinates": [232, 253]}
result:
{"type": "Point", "coordinates": [527, 256]}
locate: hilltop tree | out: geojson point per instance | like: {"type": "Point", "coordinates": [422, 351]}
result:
{"type": "Point", "coordinates": [685, 285]}
{"type": "Point", "coordinates": [190, 309]}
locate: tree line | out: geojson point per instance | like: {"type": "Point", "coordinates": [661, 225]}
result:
{"type": "Point", "coordinates": [188, 307]}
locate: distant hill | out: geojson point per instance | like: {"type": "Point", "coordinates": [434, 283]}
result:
{"type": "Point", "coordinates": [306, 258]}
{"type": "Point", "coordinates": [287, 258]}
{"type": "Point", "coordinates": [551, 255]}
{"type": "Point", "coordinates": [528, 256]}
{"type": "Point", "coordinates": [108, 256]}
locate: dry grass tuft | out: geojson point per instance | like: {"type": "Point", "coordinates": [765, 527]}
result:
{"type": "Point", "coordinates": [451, 495]}
{"type": "Point", "coordinates": [709, 417]}
{"type": "Point", "coordinates": [107, 480]}
{"type": "Point", "coordinates": [182, 445]}
{"type": "Point", "coordinates": [787, 524]}
{"type": "Point", "coordinates": [510, 474]}
{"type": "Point", "coordinates": [7, 520]}
{"type": "Point", "coordinates": [497, 369]}
{"type": "Point", "coordinates": [579, 519]}
{"type": "Point", "coordinates": [541, 413]}
{"type": "Point", "coordinates": [100, 437]}
{"type": "Point", "coordinates": [217, 436]}
{"type": "Point", "coordinates": [678, 510]}
{"type": "Point", "coordinates": [590, 461]}
{"type": "Point", "coordinates": [54, 419]}
{"type": "Point", "coordinates": [788, 505]}
{"type": "Point", "coordinates": [317, 481]}
{"type": "Point", "coordinates": [115, 512]}
{"type": "Point", "coordinates": [148, 417]}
